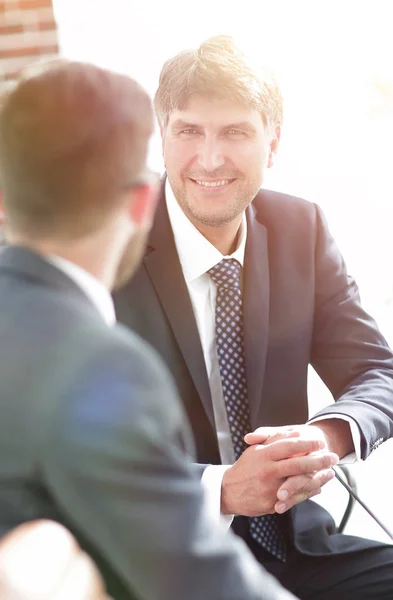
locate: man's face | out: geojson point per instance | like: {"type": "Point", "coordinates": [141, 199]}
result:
{"type": "Point", "coordinates": [216, 153]}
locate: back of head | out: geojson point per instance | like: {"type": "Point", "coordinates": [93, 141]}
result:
{"type": "Point", "coordinates": [217, 69]}
{"type": "Point", "coordinates": [73, 137]}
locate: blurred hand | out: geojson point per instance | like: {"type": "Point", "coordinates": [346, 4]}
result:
{"type": "Point", "coordinates": [40, 560]}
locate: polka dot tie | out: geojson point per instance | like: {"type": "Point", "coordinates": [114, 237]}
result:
{"type": "Point", "coordinates": [265, 530]}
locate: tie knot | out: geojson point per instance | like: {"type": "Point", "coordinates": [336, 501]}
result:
{"type": "Point", "coordinates": [226, 273]}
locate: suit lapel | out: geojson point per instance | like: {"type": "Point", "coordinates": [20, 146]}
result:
{"type": "Point", "coordinates": [164, 268]}
{"type": "Point", "coordinates": [255, 308]}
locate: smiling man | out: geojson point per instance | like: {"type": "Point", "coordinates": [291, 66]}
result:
{"type": "Point", "coordinates": [240, 291]}
{"type": "Point", "coordinates": [216, 151]}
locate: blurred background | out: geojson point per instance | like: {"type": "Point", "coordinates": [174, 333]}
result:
{"type": "Point", "coordinates": [334, 62]}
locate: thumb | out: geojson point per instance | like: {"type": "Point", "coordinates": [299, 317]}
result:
{"type": "Point", "coordinates": [259, 435]}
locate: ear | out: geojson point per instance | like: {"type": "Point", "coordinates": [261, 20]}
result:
{"type": "Point", "coordinates": [143, 201]}
{"type": "Point", "coordinates": [2, 215]}
{"type": "Point", "coordinates": [274, 144]}
{"type": "Point", "coordinates": [162, 134]}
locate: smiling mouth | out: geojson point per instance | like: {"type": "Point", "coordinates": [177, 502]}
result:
{"type": "Point", "coordinates": [212, 184]}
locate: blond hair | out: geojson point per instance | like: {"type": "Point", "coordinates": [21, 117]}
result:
{"type": "Point", "coordinates": [217, 69]}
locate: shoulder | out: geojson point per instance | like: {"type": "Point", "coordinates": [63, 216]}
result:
{"type": "Point", "coordinates": [124, 353]}
{"type": "Point", "coordinates": [288, 218]}
{"type": "Point", "coordinates": [116, 359]}
{"type": "Point", "coordinates": [110, 381]}
{"type": "Point", "coordinates": [118, 401]}
{"type": "Point", "coordinates": [117, 417]}
{"type": "Point", "coordinates": [269, 205]}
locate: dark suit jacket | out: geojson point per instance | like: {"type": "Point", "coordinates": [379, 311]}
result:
{"type": "Point", "coordinates": [92, 435]}
{"type": "Point", "coordinates": [300, 308]}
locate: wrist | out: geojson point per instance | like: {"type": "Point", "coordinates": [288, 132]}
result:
{"type": "Point", "coordinates": [225, 507]}
{"type": "Point", "coordinates": [337, 433]}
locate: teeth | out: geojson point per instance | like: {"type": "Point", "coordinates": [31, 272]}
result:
{"type": "Point", "coordinates": [212, 183]}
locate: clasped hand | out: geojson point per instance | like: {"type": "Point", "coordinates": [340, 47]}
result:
{"type": "Point", "coordinates": [282, 467]}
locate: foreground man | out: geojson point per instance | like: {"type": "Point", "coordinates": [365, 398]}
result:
{"type": "Point", "coordinates": [240, 291]}
{"type": "Point", "coordinates": [91, 432]}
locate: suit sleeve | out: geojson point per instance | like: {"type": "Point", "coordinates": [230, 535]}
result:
{"type": "Point", "coordinates": [117, 464]}
{"type": "Point", "coordinates": [349, 352]}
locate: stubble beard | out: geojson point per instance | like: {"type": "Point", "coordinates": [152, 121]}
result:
{"type": "Point", "coordinates": [236, 206]}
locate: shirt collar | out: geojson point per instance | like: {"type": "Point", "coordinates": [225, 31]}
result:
{"type": "Point", "coordinates": [197, 255]}
{"type": "Point", "coordinates": [93, 288]}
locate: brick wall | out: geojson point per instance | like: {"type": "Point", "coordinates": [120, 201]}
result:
{"type": "Point", "coordinates": [27, 33]}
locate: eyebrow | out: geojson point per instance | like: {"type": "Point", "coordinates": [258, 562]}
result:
{"type": "Point", "coordinates": [245, 125]}
{"type": "Point", "coordinates": [180, 124]}
{"type": "Point", "coordinates": [242, 125]}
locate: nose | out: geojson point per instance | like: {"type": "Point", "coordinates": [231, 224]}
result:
{"type": "Point", "coordinates": [210, 155]}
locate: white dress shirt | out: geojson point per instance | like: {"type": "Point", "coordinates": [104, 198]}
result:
{"type": "Point", "coordinates": [93, 289]}
{"type": "Point", "coordinates": [197, 255]}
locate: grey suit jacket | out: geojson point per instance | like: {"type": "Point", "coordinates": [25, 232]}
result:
{"type": "Point", "coordinates": [300, 308]}
{"type": "Point", "coordinates": [92, 435]}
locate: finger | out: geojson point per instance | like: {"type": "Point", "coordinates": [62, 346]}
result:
{"type": "Point", "coordinates": [267, 435]}
{"type": "Point", "coordinates": [290, 447]}
{"type": "Point", "coordinates": [304, 483]}
{"type": "Point", "coordinates": [300, 465]}
{"type": "Point", "coordinates": [259, 435]}
{"type": "Point", "coordinates": [281, 507]}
